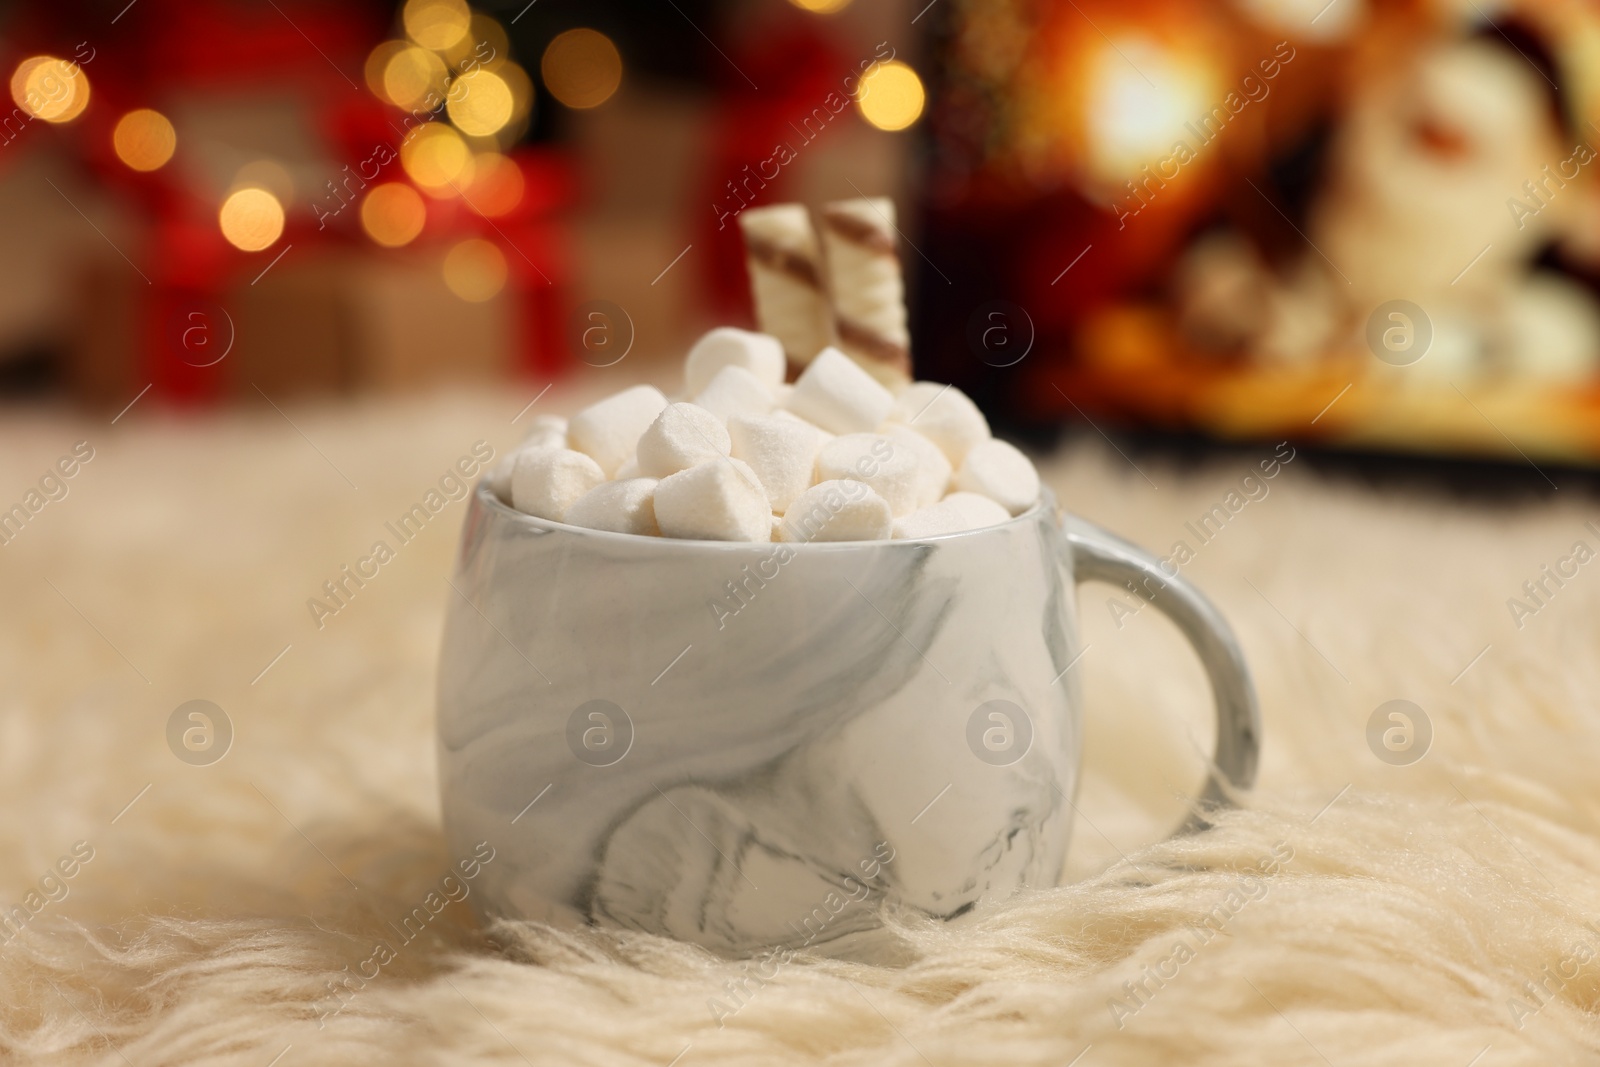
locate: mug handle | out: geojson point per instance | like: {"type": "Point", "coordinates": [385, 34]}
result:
{"type": "Point", "coordinates": [1101, 555]}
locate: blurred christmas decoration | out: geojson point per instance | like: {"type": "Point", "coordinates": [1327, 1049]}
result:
{"type": "Point", "coordinates": [322, 183]}
{"type": "Point", "coordinates": [1368, 224]}
{"type": "Point", "coordinates": [241, 175]}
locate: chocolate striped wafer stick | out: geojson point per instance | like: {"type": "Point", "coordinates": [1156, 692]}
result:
{"type": "Point", "coordinates": [868, 294]}
{"type": "Point", "coordinates": [780, 249]}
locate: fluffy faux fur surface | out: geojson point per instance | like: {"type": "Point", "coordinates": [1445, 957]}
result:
{"type": "Point", "coordinates": [1354, 912]}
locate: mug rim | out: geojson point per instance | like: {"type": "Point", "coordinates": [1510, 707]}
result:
{"type": "Point", "coordinates": [486, 497]}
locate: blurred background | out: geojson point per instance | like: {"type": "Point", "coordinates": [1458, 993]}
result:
{"type": "Point", "coordinates": [1369, 225]}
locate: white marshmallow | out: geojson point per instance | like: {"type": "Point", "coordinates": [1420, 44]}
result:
{"type": "Point", "coordinates": [944, 415]}
{"type": "Point", "coordinates": [872, 458]}
{"type": "Point", "coordinates": [998, 471]}
{"type": "Point", "coordinates": [789, 416]}
{"type": "Point", "coordinates": [727, 346]}
{"type": "Point", "coordinates": [621, 507]}
{"type": "Point", "coordinates": [838, 395]}
{"type": "Point", "coordinates": [719, 500]}
{"type": "Point", "coordinates": [499, 477]}
{"type": "Point", "coordinates": [609, 431]}
{"type": "Point", "coordinates": [547, 481]}
{"type": "Point", "coordinates": [545, 431]}
{"type": "Point", "coordinates": [682, 436]}
{"type": "Point", "coordinates": [837, 511]}
{"type": "Point", "coordinates": [781, 451]}
{"type": "Point", "coordinates": [933, 468]}
{"type": "Point", "coordinates": [735, 391]}
{"type": "Point", "coordinates": [953, 514]}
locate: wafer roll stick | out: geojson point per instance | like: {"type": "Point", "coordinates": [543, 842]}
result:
{"type": "Point", "coordinates": [868, 293]}
{"type": "Point", "coordinates": [786, 280]}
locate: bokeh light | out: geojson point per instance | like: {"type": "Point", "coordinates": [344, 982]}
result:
{"type": "Point", "coordinates": [821, 7]}
{"type": "Point", "coordinates": [411, 74]}
{"type": "Point", "coordinates": [1325, 23]}
{"type": "Point", "coordinates": [144, 139]}
{"type": "Point", "coordinates": [266, 174]}
{"type": "Point", "coordinates": [480, 103]}
{"type": "Point", "coordinates": [1140, 94]}
{"type": "Point", "coordinates": [49, 88]}
{"type": "Point", "coordinates": [436, 24]}
{"type": "Point", "coordinates": [484, 45]}
{"type": "Point", "coordinates": [521, 87]}
{"type": "Point", "coordinates": [378, 64]}
{"type": "Point", "coordinates": [437, 158]}
{"type": "Point", "coordinates": [251, 219]}
{"type": "Point", "coordinates": [581, 68]}
{"type": "Point", "coordinates": [890, 96]}
{"type": "Point", "coordinates": [497, 185]}
{"type": "Point", "coordinates": [393, 214]}
{"type": "Point", "coordinates": [475, 270]}
{"type": "Point", "coordinates": [19, 80]}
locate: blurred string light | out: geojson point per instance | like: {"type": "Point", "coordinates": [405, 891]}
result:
{"type": "Point", "coordinates": [437, 158]}
{"type": "Point", "coordinates": [457, 63]}
{"type": "Point", "coordinates": [497, 185]}
{"type": "Point", "coordinates": [144, 139]}
{"type": "Point", "coordinates": [251, 219]}
{"type": "Point", "coordinates": [49, 88]}
{"type": "Point", "coordinates": [482, 106]}
{"type": "Point", "coordinates": [891, 96]}
{"type": "Point", "coordinates": [821, 7]}
{"type": "Point", "coordinates": [475, 270]}
{"type": "Point", "coordinates": [436, 24]}
{"type": "Point", "coordinates": [581, 68]}
{"type": "Point", "coordinates": [393, 214]}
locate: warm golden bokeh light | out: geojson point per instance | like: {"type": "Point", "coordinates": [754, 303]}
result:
{"type": "Point", "coordinates": [475, 270]}
{"type": "Point", "coordinates": [49, 88]}
{"type": "Point", "coordinates": [890, 96]}
{"type": "Point", "coordinates": [436, 24]}
{"type": "Point", "coordinates": [480, 103]}
{"type": "Point", "coordinates": [821, 7]}
{"type": "Point", "coordinates": [266, 174]}
{"type": "Point", "coordinates": [378, 63]}
{"type": "Point", "coordinates": [497, 185]}
{"type": "Point", "coordinates": [485, 45]}
{"type": "Point", "coordinates": [1140, 94]}
{"type": "Point", "coordinates": [19, 80]}
{"type": "Point", "coordinates": [144, 139]}
{"type": "Point", "coordinates": [437, 158]}
{"type": "Point", "coordinates": [251, 219]}
{"type": "Point", "coordinates": [581, 68]}
{"type": "Point", "coordinates": [393, 214]}
{"type": "Point", "coordinates": [411, 74]}
{"type": "Point", "coordinates": [521, 87]}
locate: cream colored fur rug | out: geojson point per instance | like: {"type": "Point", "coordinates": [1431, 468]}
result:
{"type": "Point", "coordinates": [1446, 912]}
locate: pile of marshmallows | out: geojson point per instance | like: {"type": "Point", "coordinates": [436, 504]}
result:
{"type": "Point", "coordinates": [834, 457]}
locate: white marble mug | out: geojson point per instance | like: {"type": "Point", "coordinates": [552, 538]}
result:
{"type": "Point", "coordinates": [754, 746]}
